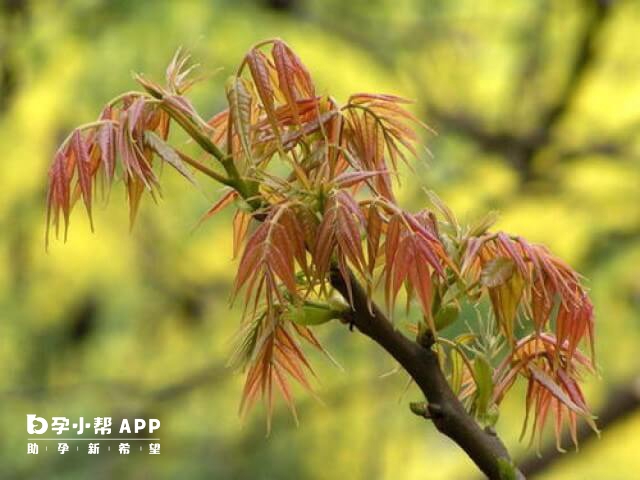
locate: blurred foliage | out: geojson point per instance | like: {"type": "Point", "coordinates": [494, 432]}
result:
{"type": "Point", "coordinates": [536, 104]}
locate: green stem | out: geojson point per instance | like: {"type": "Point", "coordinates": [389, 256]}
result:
{"type": "Point", "coordinates": [86, 126]}
{"type": "Point", "coordinates": [124, 95]}
{"type": "Point", "coordinates": [206, 170]}
{"type": "Point", "coordinates": [465, 359]}
{"type": "Point", "coordinates": [247, 190]}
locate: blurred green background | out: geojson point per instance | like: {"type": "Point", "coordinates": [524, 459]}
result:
{"type": "Point", "coordinates": [537, 108]}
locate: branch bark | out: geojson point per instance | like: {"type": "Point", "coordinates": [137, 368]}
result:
{"type": "Point", "coordinates": [421, 362]}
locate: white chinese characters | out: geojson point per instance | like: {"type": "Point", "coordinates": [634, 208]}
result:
{"type": "Point", "coordinates": [96, 440]}
{"type": "Point", "coordinates": [102, 425]}
{"type": "Point", "coordinates": [59, 424]}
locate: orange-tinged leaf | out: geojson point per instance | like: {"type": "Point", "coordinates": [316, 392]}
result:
{"type": "Point", "coordinates": [412, 252]}
{"type": "Point", "coordinates": [274, 357]}
{"type": "Point", "coordinates": [339, 232]}
{"type": "Point", "coordinates": [240, 105]}
{"type": "Point", "coordinates": [259, 68]}
{"type": "Point", "coordinates": [226, 199]}
{"type": "Point", "coordinates": [349, 179]}
{"type": "Point", "coordinates": [241, 221]}
{"type": "Point", "coordinates": [420, 277]}
{"type": "Point", "coordinates": [554, 389]}
{"type": "Point", "coordinates": [135, 189]}
{"type": "Point", "coordinates": [374, 236]}
{"type": "Point", "coordinates": [286, 77]}
{"type": "Point", "coordinates": [270, 256]}
{"type": "Point", "coordinates": [536, 276]}
{"type": "Point", "coordinates": [511, 251]}
{"type": "Point", "coordinates": [368, 97]}
{"type": "Point", "coordinates": [552, 386]}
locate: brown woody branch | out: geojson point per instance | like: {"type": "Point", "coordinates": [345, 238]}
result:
{"type": "Point", "coordinates": [421, 363]}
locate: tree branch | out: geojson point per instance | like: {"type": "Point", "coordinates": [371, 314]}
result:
{"type": "Point", "coordinates": [448, 414]}
{"type": "Point", "coordinates": [444, 409]}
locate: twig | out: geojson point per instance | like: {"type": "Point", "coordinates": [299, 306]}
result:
{"type": "Point", "coordinates": [421, 362]}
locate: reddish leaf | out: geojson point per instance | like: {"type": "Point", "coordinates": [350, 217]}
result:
{"type": "Point", "coordinates": [339, 233]}
{"type": "Point", "coordinates": [349, 179]}
{"type": "Point", "coordinates": [226, 199]}
{"type": "Point", "coordinates": [269, 257]}
{"type": "Point", "coordinates": [59, 195]}
{"type": "Point", "coordinates": [83, 168]}
{"type": "Point", "coordinates": [374, 235]}
{"type": "Point", "coordinates": [286, 77]}
{"type": "Point", "coordinates": [412, 253]}
{"type": "Point", "coordinates": [274, 357]}
{"type": "Point", "coordinates": [259, 68]}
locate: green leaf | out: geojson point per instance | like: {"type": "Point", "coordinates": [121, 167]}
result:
{"type": "Point", "coordinates": [505, 300]}
{"type": "Point", "coordinates": [446, 316]}
{"type": "Point", "coordinates": [480, 226]}
{"type": "Point", "coordinates": [168, 154]}
{"type": "Point", "coordinates": [443, 209]}
{"type": "Point", "coordinates": [240, 98]}
{"type": "Point", "coordinates": [484, 384]}
{"type": "Point", "coordinates": [310, 314]}
{"type": "Point", "coordinates": [454, 292]}
{"type": "Point", "coordinates": [465, 338]}
{"type": "Point", "coordinates": [457, 369]}
{"type": "Point", "coordinates": [497, 272]}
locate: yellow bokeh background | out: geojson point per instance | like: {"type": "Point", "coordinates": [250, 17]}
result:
{"type": "Point", "coordinates": [137, 323]}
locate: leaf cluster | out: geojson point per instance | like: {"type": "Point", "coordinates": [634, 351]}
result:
{"type": "Point", "coordinates": [312, 183]}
